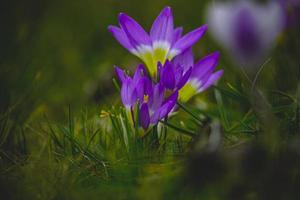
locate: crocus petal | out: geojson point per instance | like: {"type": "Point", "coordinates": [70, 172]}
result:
{"type": "Point", "coordinates": [177, 34]}
{"type": "Point", "coordinates": [143, 87]}
{"type": "Point", "coordinates": [162, 35]}
{"type": "Point", "coordinates": [120, 35]}
{"type": "Point", "coordinates": [184, 78]}
{"type": "Point", "coordinates": [156, 99]}
{"type": "Point", "coordinates": [128, 93]}
{"type": "Point", "coordinates": [167, 76]}
{"type": "Point", "coordinates": [205, 65]}
{"type": "Point", "coordinates": [178, 73]}
{"type": "Point", "coordinates": [120, 74]}
{"type": "Point", "coordinates": [185, 59]}
{"type": "Point", "coordinates": [165, 109]}
{"type": "Point", "coordinates": [139, 72]}
{"type": "Point", "coordinates": [135, 33]}
{"type": "Point", "coordinates": [187, 40]}
{"type": "Point", "coordinates": [162, 28]}
{"type": "Point", "coordinates": [212, 80]}
{"type": "Point", "coordinates": [144, 116]}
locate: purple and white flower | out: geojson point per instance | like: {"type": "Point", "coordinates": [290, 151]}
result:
{"type": "Point", "coordinates": [202, 75]}
{"type": "Point", "coordinates": [248, 30]}
{"type": "Point", "coordinates": [164, 41]}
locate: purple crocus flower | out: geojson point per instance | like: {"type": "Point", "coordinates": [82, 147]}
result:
{"type": "Point", "coordinates": [130, 90]}
{"type": "Point", "coordinates": [202, 74]}
{"type": "Point", "coordinates": [164, 41]}
{"type": "Point", "coordinates": [149, 97]}
{"type": "Point", "coordinates": [246, 29]}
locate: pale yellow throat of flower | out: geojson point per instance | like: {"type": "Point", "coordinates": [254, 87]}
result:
{"type": "Point", "coordinates": [152, 58]}
{"type": "Point", "coordinates": [186, 92]}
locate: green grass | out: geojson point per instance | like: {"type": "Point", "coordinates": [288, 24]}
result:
{"type": "Point", "coordinates": [99, 153]}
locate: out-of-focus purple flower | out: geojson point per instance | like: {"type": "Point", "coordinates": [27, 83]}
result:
{"type": "Point", "coordinates": [202, 76]}
{"type": "Point", "coordinates": [292, 11]}
{"type": "Point", "coordinates": [150, 98]}
{"type": "Point", "coordinates": [163, 42]}
{"type": "Point", "coordinates": [246, 29]}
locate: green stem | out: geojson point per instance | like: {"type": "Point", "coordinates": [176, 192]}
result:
{"type": "Point", "coordinates": [183, 107]}
{"type": "Point", "coordinates": [186, 132]}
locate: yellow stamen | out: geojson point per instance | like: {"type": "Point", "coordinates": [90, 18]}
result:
{"type": "Point", "coordinates": [146, 98]}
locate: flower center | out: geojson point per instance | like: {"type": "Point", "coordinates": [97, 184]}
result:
{"type": "Point", "coordinates": [146, 98]}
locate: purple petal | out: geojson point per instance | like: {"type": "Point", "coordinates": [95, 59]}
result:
{"type": "Point", "coordinates": [177, 34]}
{"type": "Point", "coordinates": [162, 28]}
{"type": "Point", "coordinates": [178, 73]}
{"type": "Point", "coordinates": [189, 39]}
{"type": "Point", "coordinates": [128, 93]}
{"type": "Point", "coordinates": [143, 87]}
{"type": "Point", "coordinates": [167, 77]}
{"type": "Point", "coordinates": [247, 37]}
{"type": "Point", "coordinates": [144, 116]}
{"type": "Point", "coordinates": [135, 33]}
{"type": "Point", "coordinates": [184, 78]}
{"type": "Point", "coordinates": [120, 35]}
{"type": "Point", "coordinates": [120, 74]}
{"type": "Point", "coordinates": [205, 66]}
{"type": "Point", "coordinates": [164, 110]}
{"type": "Point", "coordinates": [185, 59]}
{"type": "Point", "coordinates": [139, 72]}
{"type": "Point", "coordinates": [156, 99]}
{"type": "Point", "coordinates": [212, 80]}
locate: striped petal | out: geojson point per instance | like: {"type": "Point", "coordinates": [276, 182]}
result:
{"type": "Point", "coordinates": [185, 59]}
{"type": "Point", "coordinates": [120, 74]}
{"type": "Point", "coordinates": [162, 28]}
{"type": "Point", "coordinates": [128, 93]}
{"type": "Point", "coordinates": [177, 34]}
{"type": "Point", "coordinates": [165, 109]}
{"type": "Point", "coordinates": [162, 32]}
{"type": "Point", "coordinates": [144, 116]}
{"type": "Point", "coordinates": [121, 37]}
{"type": "Point", "coordinates": [184, 78]}
{"type": "Point", "coordinates": [212, 80]}
{"type": "Point", "coordinates": [205, 65]}
{"type": "Point", "coordinates": [167, 76]}
{"type": "Point", "coordinates": [156, 99]}
{"type": "Point", "coordinates": [136, 34]}
{"type": "Point", "coordinates": [187, 41]}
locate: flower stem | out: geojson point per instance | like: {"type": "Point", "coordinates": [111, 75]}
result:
{"type": "Point", "coordinates": [186, 132]}
{"type": "Point", "coordinates": [183, 107]}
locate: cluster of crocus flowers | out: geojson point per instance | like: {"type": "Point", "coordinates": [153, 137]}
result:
{"type": "Point", "coordinates": [148, 97]}
{"type": "Point", "coordinates": [170, 74]}
{"type": "Point", "coordinates": [246, 29]}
